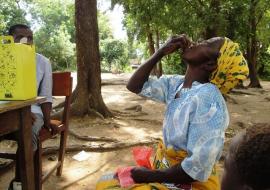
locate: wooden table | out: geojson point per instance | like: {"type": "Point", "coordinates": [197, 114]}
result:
{"type": "Point", "coordinates": [16, 115]}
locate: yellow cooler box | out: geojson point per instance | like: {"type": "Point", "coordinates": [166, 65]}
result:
{"type": "Point", "coordinates": [17, 70]}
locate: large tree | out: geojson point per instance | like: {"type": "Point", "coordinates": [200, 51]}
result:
{"type": "Point", "coordinates": [257, 9]}
{"type": "Point", "coordinates": [88, 99]}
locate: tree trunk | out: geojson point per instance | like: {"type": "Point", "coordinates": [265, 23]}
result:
{"type": "Point", "coordinates": [232, 26]}
{"type": "Point", "coordinates": [213, 26]}
{"type": "Point", "coordinates": [151, 43]}
{"type": "Point", "coordinates": [159, 65]}
{"type": "Point", "coordinates": [151, 46]}
{"type": "Point", "coordinates": [252, 45]}
{"type": "Point", "coordinates": [88, 99]}
{"type": "Point", "coordinates": [232, 22]}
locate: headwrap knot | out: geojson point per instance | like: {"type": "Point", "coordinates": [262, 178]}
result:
{"type": "Point", "coordinates": [232, 67]}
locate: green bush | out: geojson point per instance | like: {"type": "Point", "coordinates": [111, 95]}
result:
{"type": "Point", "coordinates": [172, 64]}
{"type": "Point", "coordinates": [114, 55]}
{"type": "Point", "coordinates": [264, 64]}
{"type": "Point", "coordinates": [57, 48]}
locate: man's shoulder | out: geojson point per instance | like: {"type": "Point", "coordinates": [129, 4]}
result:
{"type": "Point", "coordinates": [42, 59]}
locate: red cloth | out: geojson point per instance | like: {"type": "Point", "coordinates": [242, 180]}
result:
{"type": "Point", "coordinates": [124, 176]}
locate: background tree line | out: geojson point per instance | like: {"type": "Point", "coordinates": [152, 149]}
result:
{"type": "Point", "coordinates": [60, 24]}
{"type": "Point", "coordinates": [148, 24]}
{"type": "Point", "coordinates": [53, 23]}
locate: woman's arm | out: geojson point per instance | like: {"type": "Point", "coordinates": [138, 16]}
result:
{"type": "Point", "coordinates": [141, 75]}
{"type": "Point", "coordinates": [175, 175]}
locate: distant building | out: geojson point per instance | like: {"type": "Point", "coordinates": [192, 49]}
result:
{"type": "Point", "coordinates": [134, 63]}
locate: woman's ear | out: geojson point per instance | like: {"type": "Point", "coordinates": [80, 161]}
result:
{"type": "Point", "coordinates": [209, 66]}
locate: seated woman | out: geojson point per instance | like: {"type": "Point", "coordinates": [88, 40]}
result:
{"type": "Point", "coordinates": [196, 116]}
{"type": "Point", "coordinates": [247, 164]}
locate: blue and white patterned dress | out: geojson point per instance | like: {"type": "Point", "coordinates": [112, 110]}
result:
{"type": "Point", "coordinates": [194, 122]}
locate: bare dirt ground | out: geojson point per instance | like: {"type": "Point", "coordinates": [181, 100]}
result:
{"type": "Point", "coordinates": [141, 123]}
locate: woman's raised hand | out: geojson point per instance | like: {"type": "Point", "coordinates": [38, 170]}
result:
{"type": "Point", "coordinates": [174, 43]}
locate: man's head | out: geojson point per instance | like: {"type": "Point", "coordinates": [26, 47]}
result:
{"type": "Point", "coordinates": [247, 164]}
{"type": "Point", "coordinates": [21, 34]}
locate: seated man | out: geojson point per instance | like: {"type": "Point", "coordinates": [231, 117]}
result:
{"type": "Point", "coordinates": [40, 112]}
{"type": "Point", "coordinates": [247, 164]}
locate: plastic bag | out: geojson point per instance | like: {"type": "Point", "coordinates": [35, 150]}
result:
{"type": "Point", "coordinates": [142, 156]}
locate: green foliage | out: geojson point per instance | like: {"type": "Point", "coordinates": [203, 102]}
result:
{"type": "Point", "coordinates": [264, 64]}
{"type": "Point", "coordinates": [58, 48]}
{"type": "Point", "coordinates": [10, 14]}
{"type": "Point", "coordinates": [113, 52]}
{"type": "Point", "coordinates": [54, 36]}
{"type": "Point", "coordinates": [114, 55]}
{"type": "Point", "coordinates": [263, 33]}
{"type": "Point", "coordinates": [199, 19]}
{"type": "Point", "coordinates": [53, 24]}
{"type": "Point", "coordinates": [173, 64]}
{"type": "Point", "coordinates": [105, 32]}
{"type": "Point", "coordinates": [52, 13]}
{"type": "Point", "coordinates": [54, 32]}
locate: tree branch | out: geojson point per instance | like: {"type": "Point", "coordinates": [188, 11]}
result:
{"type": "Point", "coordinates": [198, 11]}
{"type": "Point", "coordinates": [99, 148]}
{"type": "Point", "coordinates": [261, 15]}
{"type": "Point", "coordinates": [256, 2]}
{"type": "Point", "coordinates": [90, 138]}
{"type": "Point", "coordinates": [17, 2]}
{"type": "Point", "coordinates": [201, 3]}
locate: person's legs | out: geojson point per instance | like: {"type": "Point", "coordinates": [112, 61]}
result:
{"type": "Point", "coordinates": [37, 125]}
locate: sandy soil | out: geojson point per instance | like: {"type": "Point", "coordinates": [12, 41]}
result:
{"type": "Point", "coordinates": [245, 106]}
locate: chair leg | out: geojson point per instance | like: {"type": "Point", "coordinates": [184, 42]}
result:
{"type": "Point", "coordinates": [62, 149]}
{"type": "Point", "coordinates": [38, 167]}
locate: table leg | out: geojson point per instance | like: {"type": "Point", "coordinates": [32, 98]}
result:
{"type": "Point", "coordinates": [26, 151]}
